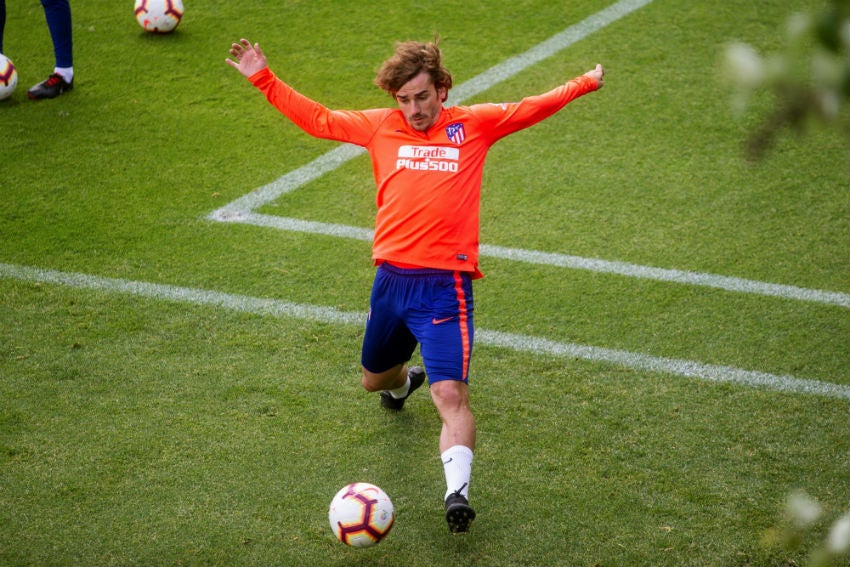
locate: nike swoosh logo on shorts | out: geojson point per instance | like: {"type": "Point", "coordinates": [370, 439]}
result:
{"type": "Point", "coordinates": [436, 321]}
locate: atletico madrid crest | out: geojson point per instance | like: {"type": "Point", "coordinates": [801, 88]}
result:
{"type": "Point", "coordinates": [456, 133]}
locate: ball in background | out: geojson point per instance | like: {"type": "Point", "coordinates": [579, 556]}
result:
{"type": "Point", "coordinates": [361, 514]}
{"type": "Point", "coordinates": [8, 77]}
{"type": "Point", "coordinates": [159, 16]}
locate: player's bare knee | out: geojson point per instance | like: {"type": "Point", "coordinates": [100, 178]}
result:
{"type": "Point", "coordinates": [450, 395]}
{"type": "Point", "coordinates": [368, 382]}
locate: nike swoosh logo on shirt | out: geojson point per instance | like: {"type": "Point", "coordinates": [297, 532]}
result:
{"type": "Point", "coordinates": [436, 321]}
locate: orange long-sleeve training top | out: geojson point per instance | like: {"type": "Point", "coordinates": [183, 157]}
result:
{"type": "Point", "coordinates": [429, 183]}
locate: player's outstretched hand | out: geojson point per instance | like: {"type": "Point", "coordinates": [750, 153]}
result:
{"type": "Point", "coordinates": [597, 74]}
{"type": "Point", "coordinates": [247, 58]}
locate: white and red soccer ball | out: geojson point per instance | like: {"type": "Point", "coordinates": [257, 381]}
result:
{"type": "Point", "coordinates": [159, 16]}
{"type": "Point", "coordinates": [361, 514]}
{"type": "Point", "coordinates": [8, 77]}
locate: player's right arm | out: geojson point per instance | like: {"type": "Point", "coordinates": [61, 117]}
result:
{"type": "Point", "coordinates": [247, 59]}
{"type": "Point", "coordinates": [315, 119]}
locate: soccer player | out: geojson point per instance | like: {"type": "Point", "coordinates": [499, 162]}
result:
{"type": "Point", "coordinates": [427, 161]}
{"type": "Point", "coordinates": [58, 15]}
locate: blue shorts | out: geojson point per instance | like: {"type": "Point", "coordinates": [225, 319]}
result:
{"type": "Point", "coordinates": [430, 307]}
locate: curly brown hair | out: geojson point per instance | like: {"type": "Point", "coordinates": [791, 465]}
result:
{"type": "Point", "coordinates": [410, 59]}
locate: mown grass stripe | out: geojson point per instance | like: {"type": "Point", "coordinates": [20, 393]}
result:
{"type": "Point", "coordinates": [520, 343]}
{"type": "Point", "coordinates": [726, 283]}
{"type": "Point", "coordinates": [678, 367]}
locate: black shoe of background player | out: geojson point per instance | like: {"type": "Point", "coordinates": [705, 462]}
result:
{"type": "Point", "coordinates": [54, 86]}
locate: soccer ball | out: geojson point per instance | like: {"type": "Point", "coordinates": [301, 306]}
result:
{"type": "Point", "coordinates": [361, 514]}
{"type": "Point", "coordinates": [159, 16]}
{"type": "Point", "coordinates": [8, 77]}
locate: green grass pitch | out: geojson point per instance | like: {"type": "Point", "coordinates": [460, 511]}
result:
{"type": "Point", "coordinates": [180, 391]}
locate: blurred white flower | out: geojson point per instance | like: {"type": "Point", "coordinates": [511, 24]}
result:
{"type": "Point", "coordinates": [798, 25]}
{"type": "Point", "coordinates": [777, 69]}
{"type": "Point", "coordinates": [744, 66]}
{"type": "Point", "coordinates": [828, 103]}
{"type": "Point", "coordinates": [838, 541]}
{"type": "Point", "coordinates": [826, 70]}
{"type": "Point", "coordinates": [802, 509]}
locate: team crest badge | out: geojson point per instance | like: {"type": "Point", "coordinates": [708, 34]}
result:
{"type": "Point", "coordinates": [456, 133]}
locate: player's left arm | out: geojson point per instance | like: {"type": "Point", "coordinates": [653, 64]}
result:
{"type": "Point", "coordinates": [598, 73]}
{"type": "Point", "coordinates": [309, 115]}
{"type": "Point", "coordinates": [504, 119]}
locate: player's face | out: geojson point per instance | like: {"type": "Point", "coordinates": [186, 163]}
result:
{"type": "Point", "coordinates": [420, 101]}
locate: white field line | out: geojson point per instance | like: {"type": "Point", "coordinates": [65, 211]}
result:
{"type": "Point", "coordinates": [242, 209]}
{"type": "Point", "coordinates": [726, 283]}
{"type": "Point", "coordinates": [520, 343]}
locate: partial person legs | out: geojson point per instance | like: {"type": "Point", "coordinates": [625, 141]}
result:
{"type": "Point", "coordinates": [2, 22]}
{"type": "Point", "coordinates": [58, 15]}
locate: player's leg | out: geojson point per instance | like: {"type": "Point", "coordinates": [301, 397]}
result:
{"type": "Point", "coordinates": [58, 15]}
{"type": "Point", "coordinates": [451, 398]}
{"type": "Point", "coordinates": [457, 443]}
{"type": "Point", "coordinates": [457, 436]}
{"type": "Point", "coordinates": [446, 337]}
{"type": "Point", "coordinates": [387, 380]}
{"type": "Point", "coordinates": [2, 22]}
{"type": "Point", "coordinates": [388, 344]}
